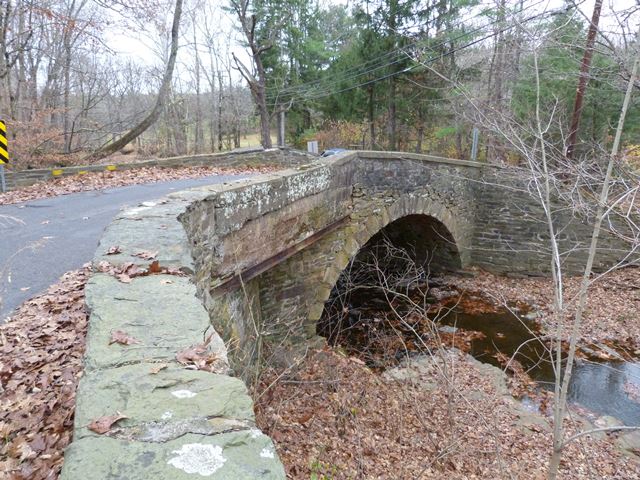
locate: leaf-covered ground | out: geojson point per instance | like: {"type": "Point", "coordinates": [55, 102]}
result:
{"type": "Point", "coordinates": [336, 419]}
{"type": "Point", "coordinates": [41, 349]}
{"type": "Point", "coordinates": [118, 178]}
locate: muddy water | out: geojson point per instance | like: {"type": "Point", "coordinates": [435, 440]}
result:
{"type": "Point", "coordinates": [602, 387]}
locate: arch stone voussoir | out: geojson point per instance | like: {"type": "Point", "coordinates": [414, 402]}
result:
{"type": "Point", "coordinates": [377, 219]}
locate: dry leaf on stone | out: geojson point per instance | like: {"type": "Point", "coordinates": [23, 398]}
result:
{"type": "Point", "coordinates": [118, 336]}
{"type": "Point", "coordinates": [124, 278]}
{"type": "Point", "coordinates": [123, 273]}
{"type": "Point", "coordinates": [199, 356]}
{"type": "Point", "coordinates": [114, 250]}
{"type": "Point", "coordinates": [103, 266]}
{"type": "Point", "coordinates": [146, 255]}
{"type": "Point", "coordinates": [192, 354]}
{"type": "Point", "coordinates": [103, 424]}
{"type": "Point", "coordinates": [155, 267]}
{"type": "Point", "coordinates": [174, 271]}
{"type": "Point", "coordinates": [155, 370]}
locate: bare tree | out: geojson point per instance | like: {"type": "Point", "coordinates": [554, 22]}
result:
{"type": "Point", "coordinates": [161, 99]}
{"type": "Point", "coordinates": [584, 186]}
{"type": "Point", "coordinates": [584, 78]}
{"type": "Point", "coordinates": [256, 78]}
{"type": "Point", "coordinates": [603, 207]}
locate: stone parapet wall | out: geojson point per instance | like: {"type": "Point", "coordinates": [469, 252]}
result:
{"type": "Point", "coordinates": [511, 235]}
{"type": "Point", "coordinates": [241, 158]}
{"type": "Point", "coordinates": [181, 422]}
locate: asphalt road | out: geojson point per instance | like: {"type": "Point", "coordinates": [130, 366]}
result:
{"type": "Point", "coordinates": [42, 239]}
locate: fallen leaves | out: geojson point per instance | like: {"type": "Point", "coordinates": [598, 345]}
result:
{"type": "Point", "coordinates": [127, 271]}
{"type": "Point", "coordinates": [154, 267]}
{"type": "Point", "coordinates": [114, 250]}
{"type": "Point", "coordinates": [200, 357]}
{"type": "Point", "coordinates": [119, 178]}
{"type": "Point", "coordinates": [158, 368]}
{"type": "Point", "coordinates": [146, 255]}
{"type": "Point", "coordinates": [120, 337]}
{"type": "Point", "coordinates": [334, 418]}
{"type": "Point", "coordinates": [41, 350]}
{"type": "Point", "coordinates": [102, 425]}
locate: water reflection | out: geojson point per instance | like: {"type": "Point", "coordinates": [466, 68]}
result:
{"type": "Point", "coordinates": [606, 388]}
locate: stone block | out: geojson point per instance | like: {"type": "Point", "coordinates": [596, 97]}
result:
{"type": "Point", "coordinates": [162, 404]}
{"type": "Point", "coordinates": [236, 455]}
{"type": "Point", "coordinates": [159, 311]}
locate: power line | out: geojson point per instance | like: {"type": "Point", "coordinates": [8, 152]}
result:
{"type": "Point", "coordinates": [325, 92]}
{"type": "Point", "coordinates": [306, 87]}
{"type": "Point", "coordinates": [400, 50]}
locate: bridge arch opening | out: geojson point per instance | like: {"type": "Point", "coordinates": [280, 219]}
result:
{"type": "Point", "coordinates": [402, 256]}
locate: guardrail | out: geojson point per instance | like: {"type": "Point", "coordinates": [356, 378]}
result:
{"type": "Point", "coordinates": [246, 157]}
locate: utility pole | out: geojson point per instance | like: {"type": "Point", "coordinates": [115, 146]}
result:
{"type": "Point", "coordinates": [584, 79]}
{"type": "Point", "coordinates": [474, 144]}
{"type": "Point", "coordinates": [281, 128]}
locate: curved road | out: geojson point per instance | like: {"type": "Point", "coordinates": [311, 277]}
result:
{"type": "Point", "coordinates": [42, 239]}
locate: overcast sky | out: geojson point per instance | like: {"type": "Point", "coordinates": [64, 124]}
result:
{"type": "Point", "coordinates": [139, 46]}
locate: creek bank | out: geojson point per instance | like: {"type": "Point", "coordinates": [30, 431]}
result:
{"type": "Point", "coordinates": [335, 416]}
{"type": "Point", "coordinates": [418, 368]}
{"type": "Point", "coordinates": [507, 334]}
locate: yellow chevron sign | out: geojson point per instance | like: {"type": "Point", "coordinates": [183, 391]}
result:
{"type": "Point", "coordinates": [4, 145]}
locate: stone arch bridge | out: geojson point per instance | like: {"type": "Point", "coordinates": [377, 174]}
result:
{"type": "Point", "coordinates": [261, 257]}
{"type": "Point", "coordinates": [268, 253]}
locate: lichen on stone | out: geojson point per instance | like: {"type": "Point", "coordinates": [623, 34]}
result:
{"type": "Point", "coordinates": [198, 458]}
{"type": "Point", "coordinates": [183, 394]}
{"type": "Point", "coordinates": [267, 453]}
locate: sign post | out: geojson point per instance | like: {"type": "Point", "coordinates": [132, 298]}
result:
{"type": "Point", "coordinates": [312, 146]}
{"type": "Point", "coordinates": [474, 144]}
{"type": "Point", "coordinates": [4, 153]}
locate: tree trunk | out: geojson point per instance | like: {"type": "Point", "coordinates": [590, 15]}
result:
{"type": "Point", "coordinates": [494, 82]}
{"type": "Point", "coordinates": [281, 128]}
{"type": "Point", "coordinates": [372, 120]}
{"type": "Point", "coordinates": [198, 134]}
{"type": "Point", "coordinates": [263, 111]}
{"type": "Point", "coordinates": [153, 116]}
{"type": "Point", "coordinates": [392, 125]}
{"type": "Point", "coordinates": [459, 150]}
{"type": "Point", "coordinates": [257, 83]}
{"type": "Point", "coordinates": [67, 87]}
{"type": "Point", "coordinates": [420, 132]}
{"type": "Point", "coordinates": [220, 98]}
{"type": "Point", "coordinates": [584, 79]}
{"type": "Point", "coordinates": [392, 115]}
